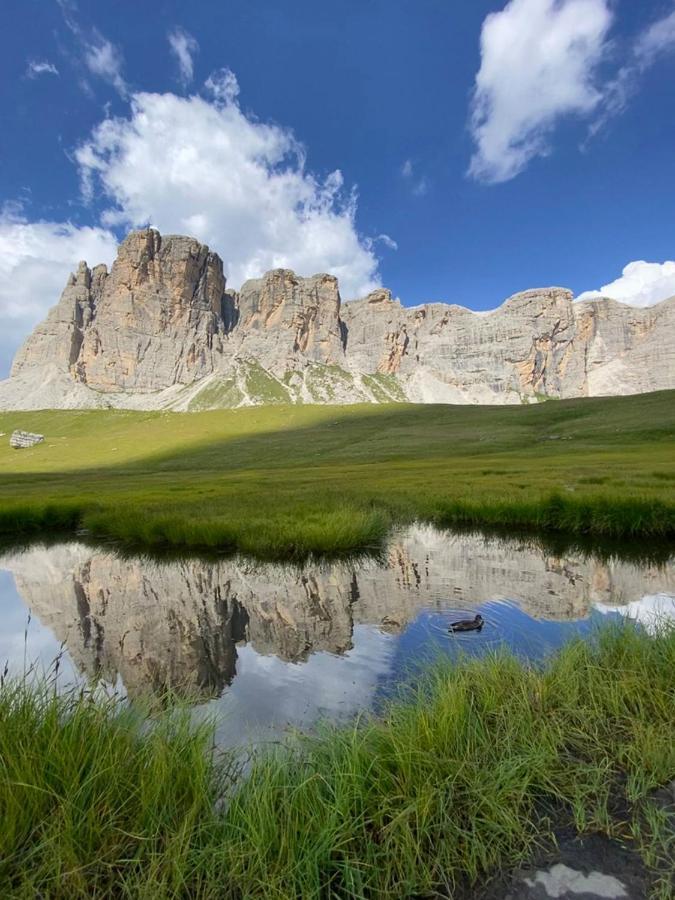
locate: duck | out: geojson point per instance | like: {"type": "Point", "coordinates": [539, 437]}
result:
{"type": "Point", "coordinates": [468, 624]}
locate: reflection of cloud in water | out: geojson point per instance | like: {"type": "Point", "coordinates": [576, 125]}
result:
{"type": "Point", "coordinates": [28, 642]}
{"type": "Point", "coordinates": [651, 611]}
{"type": "Point", "coordinates": [269, 694]}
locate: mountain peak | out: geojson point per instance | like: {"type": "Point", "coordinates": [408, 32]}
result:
{"type": "Point", "coordinates": [160, 330]}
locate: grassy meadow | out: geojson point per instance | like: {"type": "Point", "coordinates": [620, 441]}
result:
{"type": "Point", "coordinates": [467, 774]}
{"type": "Point", "coordinates": [282, 480]}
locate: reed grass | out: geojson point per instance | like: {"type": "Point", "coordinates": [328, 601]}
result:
{"type": "Point", "coordinates": [464, 775]}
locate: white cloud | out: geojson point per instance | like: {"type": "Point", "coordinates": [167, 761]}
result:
{"type": "Point", "coordinates": [388, 241]}
{"type": "Point", "coordinates": [223, 86]}
{"type": "Point", "coordinates": [539, 64]}
{"type": "Point", "coordinates": [652, 43]}
{"type": "Point", "coordinates": [40, 67]}
{"type": "Point", "coordinates": [539, 61]}
{"type": "Point", "coordinates": [658, 38]}
{"type": "Point", "coordinates": [419, 185]}
{"type": "Point", "coordinates": [641, 284]}
{"type": "Point", "coordinates": [35, 261]}
{"type": "Point", "coordinates": [101, 57]}
{"type": "Point", "coordinates": [183, 46]}
{"type": "Point", "coordinates": [204, 168]}
{"type": "Point", "coordinates": [105, 60]}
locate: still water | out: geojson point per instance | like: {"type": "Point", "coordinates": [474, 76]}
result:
{"type": "Point", "coordinates": [268, 646]}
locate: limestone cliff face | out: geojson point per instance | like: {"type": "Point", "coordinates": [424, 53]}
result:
{"type": "Point", "coordinates": [58, 340]}
{"type": "Point", "coordinates": [284, 319]}
{"type": "Point", "coordinates": [626, 350]}
{"type": "Point", "coordinates": [161, 331]}
{"type": "Point", "coordinates": [159, 318]}
{"type": "Point", "coordinates": [177, 624]}
{"type": "Point", "coordinates": [538, 344]}
{"type": "Point", "coordinates": [155, 320]}
{"type": "Point", "coordinates": [445, 353]}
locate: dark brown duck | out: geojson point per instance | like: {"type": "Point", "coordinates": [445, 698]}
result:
{"type": "Point", "coordinates": [468, 624]}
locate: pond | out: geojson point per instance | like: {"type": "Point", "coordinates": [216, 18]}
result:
{"type": "Point", "coordinates": [267, 646]}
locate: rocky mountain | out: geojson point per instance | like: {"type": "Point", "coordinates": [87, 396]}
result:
{"type": "Point", "coordinates": [161, 331]}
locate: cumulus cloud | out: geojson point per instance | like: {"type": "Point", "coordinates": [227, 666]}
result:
{"type": "Point", "coordinates": [641, 284]}
{"type": "Point", "coordinates": [40, 67]}
{"type": "Point", "coordinates": [202, 167]}
{"type": "Point", "coordinates": [539, 61]}
{"type": "Point", "coordinates": [35, 261]}
{"type": "Point", "coordinates": [183, 46]}
{"type": "Point", "coordinates": [419, 185]}
{"type": "Point", "coordinates": [223, 86]}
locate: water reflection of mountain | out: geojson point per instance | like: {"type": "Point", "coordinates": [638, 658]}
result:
{"type": "Point", "coordinates": [178, 623]}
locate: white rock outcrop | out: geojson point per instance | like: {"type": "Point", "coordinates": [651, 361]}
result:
{"type": "Point", "coordinates": [22, 439]}
{"type": "Point", "coordinates": [160, 331]}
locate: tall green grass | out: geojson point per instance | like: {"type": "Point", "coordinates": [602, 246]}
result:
{"type": "Point", "coordinates": [598, 516]}
{"type": "Point", "coordinates": [94, 804]}
{"type": "Point", "coordinates": [281, 481]}
{"type": "Point", "coordinates": [464, 775]}
{"type": "Point", "coordinates": [334, 528]}
{"type": "Point", "coordinates": [295, 533]}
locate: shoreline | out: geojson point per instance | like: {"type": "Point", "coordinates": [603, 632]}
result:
{"type": "Point", "coordinates": [553, 519]}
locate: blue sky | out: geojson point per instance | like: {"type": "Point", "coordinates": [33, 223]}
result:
{"type": "Point", "coordinates": [449, 150]}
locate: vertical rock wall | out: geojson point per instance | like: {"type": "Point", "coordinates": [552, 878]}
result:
{"type": "Point", "coordinates": [161, 331]}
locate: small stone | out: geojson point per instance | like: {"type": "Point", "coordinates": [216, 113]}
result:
{"type": "Point", "coordinates": [563, 881]}
{"type": "Point", "coordinates": [21, 439]}
{"type": "Point", "coordinates": [589, 867]}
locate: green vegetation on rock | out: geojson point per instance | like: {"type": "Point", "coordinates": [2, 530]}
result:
{"type": "Point", "coordinates": [464, 776]}
{"type": "Point", "coordinates": [321, 381]}
{"type": "Point", "coordinates": [219, 393]}
{"type": "Point", "coordinates": [384, 387]}
{"type": "Point", "coordinates": [282, 480]}
{"type": "Point", "coordinates": [262, 387]}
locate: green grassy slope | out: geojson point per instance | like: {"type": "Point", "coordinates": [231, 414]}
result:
{"type": "Point", "coordinates": [283, 479]}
